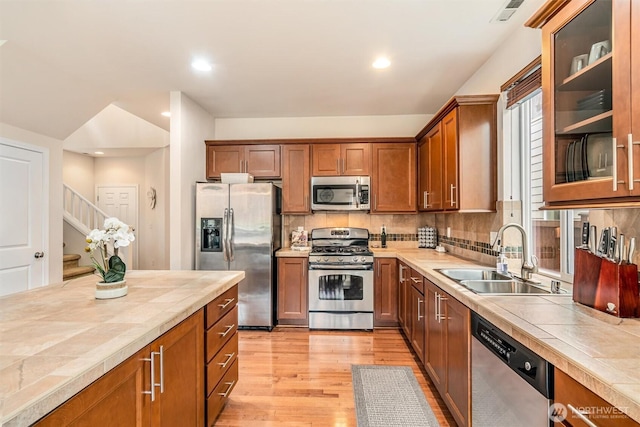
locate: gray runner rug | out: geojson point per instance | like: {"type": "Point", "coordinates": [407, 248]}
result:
{"type": "Point", "coordinates": [389, 396]}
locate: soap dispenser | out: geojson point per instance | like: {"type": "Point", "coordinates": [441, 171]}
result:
{"type": "Point", "coordinates": [502, 265]}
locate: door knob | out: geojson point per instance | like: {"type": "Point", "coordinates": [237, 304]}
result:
{"type": "Point", "coordinates": [38, 255]}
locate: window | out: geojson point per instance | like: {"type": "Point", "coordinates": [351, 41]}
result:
{"type": "Point", "coordinates": [553, 233]}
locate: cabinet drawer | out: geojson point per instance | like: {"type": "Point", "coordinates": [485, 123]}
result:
{"type": "Point", "coordinates": [416, 281]}
{"type": "Point", "coordinates": [221, 305]}
{"type": "Point", "coordinates": [577, 398]}
{"type": "Point", "coordinates": [219, 396]}
{"type": "Point", "coordinates": [221, 362]}
{"type": "Point", "coordinates": [221, 332]}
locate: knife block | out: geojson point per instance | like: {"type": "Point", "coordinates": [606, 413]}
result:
{"type": "Point", "coordinates": [605, 285]}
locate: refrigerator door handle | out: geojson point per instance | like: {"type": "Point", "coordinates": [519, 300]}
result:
{"type": "Point", "coordinates": [225, 231]}
{"type": "Point", "coordinates": [232, 229]}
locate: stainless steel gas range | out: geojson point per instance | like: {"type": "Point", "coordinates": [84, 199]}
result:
{"type": "Point", "coordinates": [340, 279]}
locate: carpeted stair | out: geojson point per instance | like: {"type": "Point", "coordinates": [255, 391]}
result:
{"type": "Point", "coordinates": [71, 269]}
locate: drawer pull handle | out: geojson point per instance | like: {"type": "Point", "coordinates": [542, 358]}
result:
{"type": "Point", "coordinates": [415, 280]}
{"type": "Point", "coordinates": [227, 302]}
{"type": "Point", "coordinates": [226, 362]}
{"type": "Point", "coordinates": [229, 329]}
{"type": "Point", "coordinates": [226, 393]}
{"type": "Point", "coordinates": [582, 416]}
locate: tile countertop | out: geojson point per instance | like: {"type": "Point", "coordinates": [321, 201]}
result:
{"type": "Point", "coordinates": [600, 351]}
{"type": "Point", "coordinates": [56, 340]}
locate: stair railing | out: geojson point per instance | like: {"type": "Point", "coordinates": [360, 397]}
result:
{"type": "Point", "coordinates": [84, 216]}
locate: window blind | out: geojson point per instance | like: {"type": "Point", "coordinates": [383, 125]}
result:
{"type": "Point", "coordinates": [525, 82]}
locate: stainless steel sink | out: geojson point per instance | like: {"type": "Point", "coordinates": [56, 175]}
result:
{"type": "Point", "coordinates": [502, 287]}
{"type": "Point", "coordinates": [490, 281]}
{"type": "Point", "coordinates": [459, 274]}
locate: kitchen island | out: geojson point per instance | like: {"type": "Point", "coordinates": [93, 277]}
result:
{"type": "Point", "coordinates": [56, 340]}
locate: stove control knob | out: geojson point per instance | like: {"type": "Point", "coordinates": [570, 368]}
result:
{"type": "Point", "coordinates": [355, 259]}
{"type": "Point", "coordinates": [340, 259]}
{"type": "Point", "coordinates": [326, 259]}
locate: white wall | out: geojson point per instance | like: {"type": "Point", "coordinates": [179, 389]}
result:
{"type": "Point", "coordinates": [190, 127]}
{"type": "Point", "coordinates": [53, 192]}
{"type": "Point", "coordinates": [153, 253]}
{"type": "Point", "coordinates": [320, 127]}
{"type": "Point", "coordinates": [77, 173]}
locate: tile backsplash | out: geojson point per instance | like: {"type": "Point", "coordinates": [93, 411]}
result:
{"type": "Point", "coordinates": [470, 233]}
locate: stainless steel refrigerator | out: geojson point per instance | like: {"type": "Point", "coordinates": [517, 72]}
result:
{"type": "Point", "coordinates": [238, 228]}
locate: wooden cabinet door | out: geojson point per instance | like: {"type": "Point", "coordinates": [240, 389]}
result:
{"type": "Point", "coordinates": [262, 161]}
{"type": "Point", "coordinates": [450, 147]}
{"type": "Point", "coordinates": [385, 296]}
{"type": "Point", "coordinates": [403, 282]}
{"type": "Point", "coordinates": [115, 399]}
{"type": "Point", "coordinates": [434, 357]}
{"type": "Point", "coordinates": [293, 291]}
{"type": "Point", "coordinates": [295, 179]}
{"type": "Point", "coordinates": [634, 90]}
{"type": "Point", "coordinates": [325, 159]}
{"type": "Point", "coordinates": [355, 159]}
{"type": "Point", "coordinates": [417, 323]}
{"type": "Point", "coordinates": [180, 368]}
{"type": "Point", "coordinates": [227, 159]}
{"type": "Point", "coordinates": [458, 360]}
{"type": "Point", "coordinates": [423, 173]}
{"type": "Point", "coordinates": [394, 177]}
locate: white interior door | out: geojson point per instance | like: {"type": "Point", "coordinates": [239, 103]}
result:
{"type": "Point", "coordinates": [121, 201]}
{"type": "Point", "coordinates": [22, 239]}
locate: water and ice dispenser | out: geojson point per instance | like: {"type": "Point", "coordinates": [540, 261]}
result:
{"type": "Point", "coordinates": [211, 237]}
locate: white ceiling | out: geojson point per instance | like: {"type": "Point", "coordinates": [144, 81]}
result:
{"type": "Point", "coordinates": [65, 61]}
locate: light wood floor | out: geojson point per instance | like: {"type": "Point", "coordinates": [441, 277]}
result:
{"type": "Point", "coordinates": [297, 377]}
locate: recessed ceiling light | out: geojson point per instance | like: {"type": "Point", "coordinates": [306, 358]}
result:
{"type": "Point", "coordinates": [201, 65]}
{"type": "Point", "coordinates": [166, 114]}
{"type": "Point", "coordinates": [98, 152]}
{"type": "Point", "coordinates": [381, 62]}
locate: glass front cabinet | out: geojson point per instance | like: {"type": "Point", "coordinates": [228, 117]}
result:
{"type": "Point", "coordinates": [590, 95]}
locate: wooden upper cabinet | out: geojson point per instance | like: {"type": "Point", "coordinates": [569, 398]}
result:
{"type": "Point", "coordinates": [261, 161]}
{"type": "Point", "coordinates": [591, 102]}
{"type": "Point", "coordinates": [296, 179]}
{"type": "Point", "coordinates": [394, 177]}
{"type": "Point", "coordinates": [458, 159]}
{"type": "Point", "coordinates": [352, 159]}
{"type": "Point", "coordinates": [431, 170]}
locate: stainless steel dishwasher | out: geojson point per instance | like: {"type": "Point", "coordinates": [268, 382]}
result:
{"type": "Point", "coordinates": [510, 384]}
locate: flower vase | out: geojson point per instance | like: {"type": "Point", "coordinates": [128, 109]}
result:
{"type": "Point", "coordinates": [111, 290]}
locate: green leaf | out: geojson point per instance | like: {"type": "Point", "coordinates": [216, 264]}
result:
{"type": "Point", "coordinates": [116, 271]}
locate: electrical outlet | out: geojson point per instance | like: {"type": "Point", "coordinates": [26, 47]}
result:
{"type": "Point", "coordinates": [448, 231]}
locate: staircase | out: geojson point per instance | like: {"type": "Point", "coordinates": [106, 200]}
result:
{"type": "Point", "coordinates": [71, 269]}
{"type": "Point", "coordinates": [84, 216]}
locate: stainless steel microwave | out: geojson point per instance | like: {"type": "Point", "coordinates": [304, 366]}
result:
{"type": "Point", "coordinates": [340, 193]}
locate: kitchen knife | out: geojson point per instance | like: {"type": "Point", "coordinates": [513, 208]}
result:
{"type": "Point", "coordinates": [613, 244]}
{"type": "Point", "coordinates": [632, 248]}
{"type": "Point", "coordinates": [621, 254]}
{"type": "Point", "coordinates": [603, 246]}
{"type": "Point", "coordinates": [585, 235]}
{"type": "Point", "coordinates": [593, 235]}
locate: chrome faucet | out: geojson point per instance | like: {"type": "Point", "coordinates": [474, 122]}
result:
{"type": "Point", "coordinates": [528, 265]}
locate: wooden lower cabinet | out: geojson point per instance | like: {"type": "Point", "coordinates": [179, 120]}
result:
{"type": "Point", "coordinates": [403, 285]}
{"type": "Point", "coordinates": [385, 292]}
{"type": "Point", "coordinates": [416, 313]}
{"type": "Point", "coordinates": [585, 408]}
{"type": "Point", "coordinates": [293, 291]}
{"type": "Point", "coordinates": [447, 356]}
{"type": "Point", "coordinates": [221, 355]}
{"type": "Point", "coordinates": [122, 396]}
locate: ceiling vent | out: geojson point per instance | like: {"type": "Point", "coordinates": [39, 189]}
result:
{"type": "Point", "coordinates": [507, 10]}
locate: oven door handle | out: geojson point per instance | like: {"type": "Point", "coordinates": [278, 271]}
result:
{"type": "Point", "coordinates": [341, 267]}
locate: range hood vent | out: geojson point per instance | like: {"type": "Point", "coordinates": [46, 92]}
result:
{"type": "Point", "coordinates": [507, 10]}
